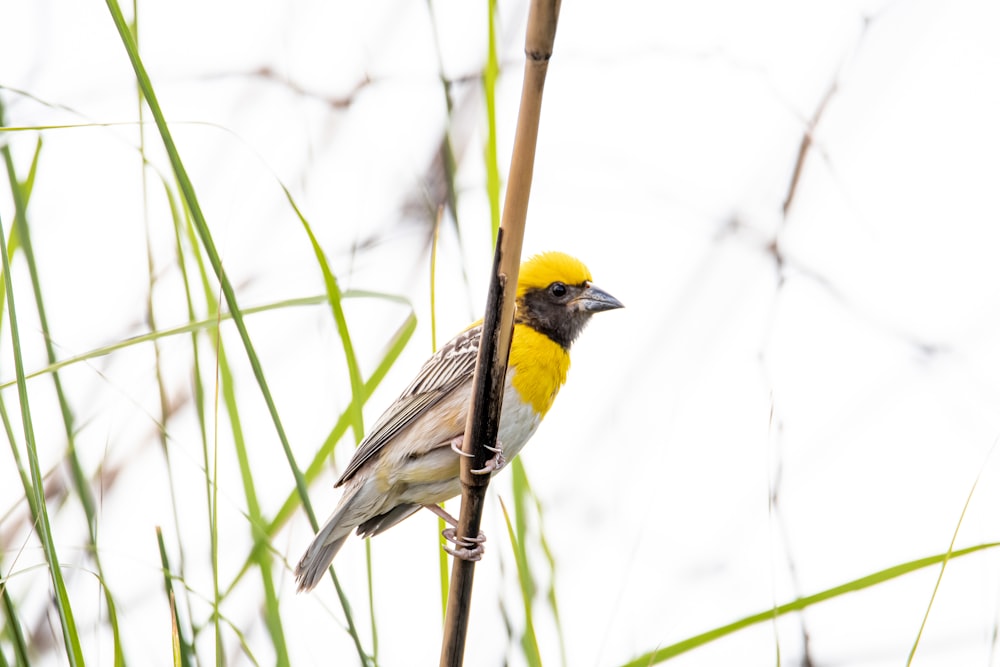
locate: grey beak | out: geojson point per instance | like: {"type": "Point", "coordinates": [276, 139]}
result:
{"type": "Point", "coordinates": [595, 300]}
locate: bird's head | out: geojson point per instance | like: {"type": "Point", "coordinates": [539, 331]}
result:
{"type": "Point", "coordinates": [556, 297]}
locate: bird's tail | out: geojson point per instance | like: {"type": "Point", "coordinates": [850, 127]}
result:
{"type": "Point", "coordinates": [324, 547]}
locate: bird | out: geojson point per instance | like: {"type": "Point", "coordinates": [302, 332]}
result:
{"type": "Point", "coordinates": [410, 458]}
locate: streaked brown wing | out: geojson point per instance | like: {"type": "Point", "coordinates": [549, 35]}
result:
{"type": "Point", "coordinates": [452, 365]}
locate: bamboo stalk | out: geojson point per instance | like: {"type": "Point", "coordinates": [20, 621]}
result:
{"type": "Point", "coordinates": [498, 322]}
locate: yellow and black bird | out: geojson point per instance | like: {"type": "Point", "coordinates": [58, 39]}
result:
{"type": "Point", "coordinates": [410, 459]}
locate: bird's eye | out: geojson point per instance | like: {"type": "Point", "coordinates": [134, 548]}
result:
{"type": "Point", "coordinates": [557, 289]}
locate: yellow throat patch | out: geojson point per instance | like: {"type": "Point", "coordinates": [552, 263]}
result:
{"type": "Point", "coordinates": [540, 366]}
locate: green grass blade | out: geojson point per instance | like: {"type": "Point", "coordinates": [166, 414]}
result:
{"type": "Point", "coordinates": [525, 577]}
{"type": "Point", "coordinates": [323, 454]}
{"type": "Point", "coordinates": [21, 193]}
{"type": "Point", "coordinates": [272, 616]}
{"type": "Point", "coordinates": [175, 638]}
{"type": "Point", "coordinates": [236, 630]}
{"type": "Point", "coordinates": [370, 580]}
{"type": "Point", "coordinates": [183, 228]}
{"type": "Point", "coordinates": [183, 648]}
{"type": "Point", "coordinates": [944, 564]}
{"type": "Point", "coordinates": [550, 593]}
{"type": "Point", "coordinates": [354, 412]}
{"type": "Point", "coordinates": [444, 577]}
{"type": "Point", "coordinates": [191, 327]}
{"type": "Point", "coordinates": [194, 326]}
{"type": "Point", "coordinates": [335, 298]}
{"type": "Point", "coordinates": [12, 627]}
{"type": "Point", "coordinates": [209, 442]}
{"type": "Point", "coordinates": [491, 75]}
{"type": "Point", "coordinates": [182, 652]}
{"type": "Point", "coordinates": [212, 484]}
{"type": "Point", "coordinates": [71, 636]}
{"type": "Point", "coordinates": [181, 656]}
{"type": "Point", "coordinates": [529, 640]}
{"type": "Point", "coordinates": [201, 226]}
{"type": "Point", "coordinates": [667, 652]}
{"type": "Point", "coordinates": [212, 468]}
{"type": "Point", "coordinates": [113, 622]}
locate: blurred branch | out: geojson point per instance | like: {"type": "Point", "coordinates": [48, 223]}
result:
{"type": "Point", "coordinates": [267, 73]}
{"type": "Point", "coordinates": [494, 347]}
{"type": "Point", "coordinates": [809, 134]}
{"type": "Point", "coordinates": [805, 144]}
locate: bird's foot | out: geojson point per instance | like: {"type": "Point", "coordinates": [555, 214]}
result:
{"type": "Point", "coordinates": [467, 548]}
{"type": "Point", "coordinates": [495, 463]}
{"type": "Point", "coordinates": [492, 465]}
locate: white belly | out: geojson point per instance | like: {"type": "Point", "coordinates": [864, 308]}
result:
{"type": "Point", "coordinates": [518, 421]}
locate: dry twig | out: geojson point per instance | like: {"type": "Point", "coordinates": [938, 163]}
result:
{"type": "Point", "coordinates": [484, 416]}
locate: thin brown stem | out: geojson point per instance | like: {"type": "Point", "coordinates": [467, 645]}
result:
{"type": "Point", "coordinates": [494, 348]}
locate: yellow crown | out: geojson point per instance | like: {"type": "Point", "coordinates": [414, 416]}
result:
{"type": "Point", "coordinates": [542, 270]}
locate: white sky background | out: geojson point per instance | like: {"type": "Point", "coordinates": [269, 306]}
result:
{"type": "Point", "coordinates": [857, 380]}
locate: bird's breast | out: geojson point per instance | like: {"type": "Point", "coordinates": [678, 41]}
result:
{"type": "Point", "coordinates": [536, 371]}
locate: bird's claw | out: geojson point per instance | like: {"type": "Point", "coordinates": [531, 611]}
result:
{"type": "Point", "coordinates": [450, 535]}
{"type": "Point", "coordinates": [492, 465]}
{"type": "Point", "coordinates": [456, 446]}
{"type": "Point", "coordinates": [495, 463]}
{"type": "Point", "coordinates": [467, 548]}
{"type": "Point", "coordinates": [473, 555]}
